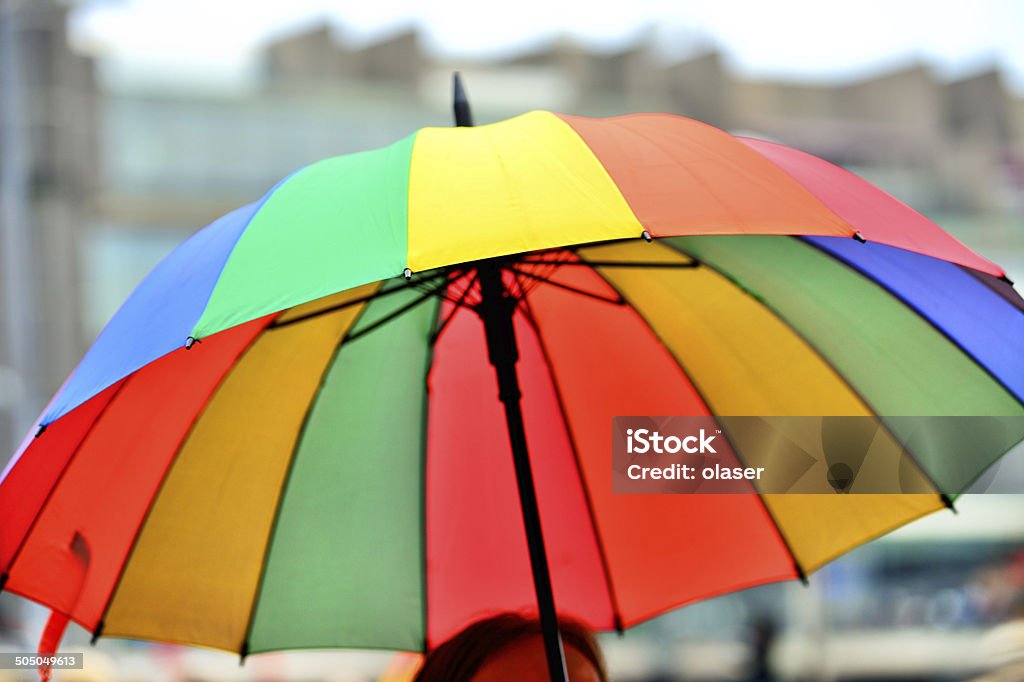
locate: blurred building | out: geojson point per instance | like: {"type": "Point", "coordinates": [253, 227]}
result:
{"type": "Point", "coordinates": [316, 57]}
{"type": "Point", "coordinates": [49, 173]}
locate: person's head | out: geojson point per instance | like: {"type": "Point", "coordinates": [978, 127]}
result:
{"type": "Point", "coordinates": [511, 647]}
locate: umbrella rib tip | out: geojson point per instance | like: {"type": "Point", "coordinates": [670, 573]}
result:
{"type": "Point", "coordinates": [647, 236]}
{"type": "Point", "coordinates": [40, 431]}
{"type": "Point", "coordinates": [860, 238]}
{"type": "Point", "coordinates": [96, 634]}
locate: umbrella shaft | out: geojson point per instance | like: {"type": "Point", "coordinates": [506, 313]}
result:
{"type": "Point", "coordinates": [497, 309]}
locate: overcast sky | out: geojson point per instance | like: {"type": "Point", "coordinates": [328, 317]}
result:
{"type": "Point", "coordinates": [816, 39]}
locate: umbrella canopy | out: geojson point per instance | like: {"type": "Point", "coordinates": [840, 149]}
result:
{"type": "Point", "coordinates": [290, 434]}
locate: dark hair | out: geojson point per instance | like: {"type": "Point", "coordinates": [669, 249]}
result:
{"type": "Point", "coordinates": [458, 659]}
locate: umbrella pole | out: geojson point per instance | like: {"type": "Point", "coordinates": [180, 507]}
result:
{"type": "Point", "coordinates": [496, 309]}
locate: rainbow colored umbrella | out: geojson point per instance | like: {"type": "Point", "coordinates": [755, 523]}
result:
{"type": "Point", "coordinates": [290, 435]}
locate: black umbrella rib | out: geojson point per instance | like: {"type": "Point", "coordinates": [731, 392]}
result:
{"type": "Point", "coordinates": [615, 264]}
{"type": "Point", "coordinates": [460, 302]}
{"type": "Point", "coordinates": [431, 293]}
{"type": "Point", "coordinates": [591, 514]}
{"type": "Point", "coordinates": [355, 301]}
{"type": "Point", "coordinates": [430, 279]}
{"type": "Point", "coordinates": [616, 300]}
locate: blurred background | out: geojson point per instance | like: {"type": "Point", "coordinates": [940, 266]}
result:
{"type": "Point", "coordinates": [126, 125]}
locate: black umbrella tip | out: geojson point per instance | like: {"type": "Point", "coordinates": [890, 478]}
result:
{"type": "Point", "coordinates": [96, 634]}
{"type": "Point", "coordinates": [460, 103]}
